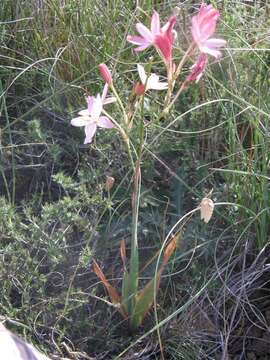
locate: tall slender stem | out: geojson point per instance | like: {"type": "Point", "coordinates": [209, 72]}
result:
{"type": "Point", "coordinates": [120, 103]}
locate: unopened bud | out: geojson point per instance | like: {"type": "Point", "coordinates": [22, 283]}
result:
{"type": "Point", "coordinates": [207, 208]}
{"type": "Point", "coordinates": [105, 73]}
{"type": "Point", "coordinates": [139, 89]}
{"type": "Point", "coordinates": [109, 182]}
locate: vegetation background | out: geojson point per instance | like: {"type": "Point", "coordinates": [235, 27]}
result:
{"type": "Point", "coordinates": [56, 214]}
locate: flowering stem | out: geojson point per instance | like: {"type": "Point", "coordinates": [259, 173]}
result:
{"type": "Point", "coordinates": [134, 255]}
{"type": "Point", "coordinates": [173, 76]}
{"type": "Point", "coordinates": [182, 88]}
{"type": "Point", "coordinates": [124, 136]}
{"type": "Point", "coordinates": [120, 103]}
{"type": "Point", "coordinates": [183, 60]}
{"type": "Point", "coordinates": [170, 83]}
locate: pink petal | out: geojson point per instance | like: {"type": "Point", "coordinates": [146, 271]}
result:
{"type": "Point", "coordinates": [145, 33]}
{"type": "Point", "coordinates": [137, 40]}
{"type": "Point", "coordinates": [164, 44]}
{"type": "Point", "coordinates": [81, 121]}
{"type": "Point", "coordinates": [89, 132]}
{"type": "Point", "coordinates": [208, 50]}
{"type": "Point", "coordinates": [155, 23]}
{"type": "Point", "coordinates": [198, 68]}
{"type": "Point", "coordinates": [104, 92]}
{"type": "Point", "coordinates": [105, 123]}
{"type": "Point", "coordinates": [195, 30]}
{"type": "Point", "coordinates": [215, 43]}
{"type": "Point", "coordinates": [96, 108]}
{"type": "Point", "coordinates": [90, 102]}
{"type": "Point", "coordinates": [169, 29]}
{"type": "Point", "coordinates": [142, 47]}
{"type": "Point", "coordinates": [208, 26]}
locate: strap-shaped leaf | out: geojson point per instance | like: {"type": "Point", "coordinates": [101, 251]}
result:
{"type": "Point", "coordinates": [126, 299]}
{"type": "Point", "coordinates": [114, 296]}
{"type": "Point", "coordinates": [145, 298]}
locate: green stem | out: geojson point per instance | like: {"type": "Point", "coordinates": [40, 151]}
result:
{"type": "Point", "coordinates": [183, 60]}
{"type": "Point", "coordinates": [134, 256]}
{"type": "Point", "coordinates": [124, 136]}
{"type": "Point", "coordinates": [120, 103]}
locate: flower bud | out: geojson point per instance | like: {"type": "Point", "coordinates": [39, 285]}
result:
{"type": "Point", "coordinates": [105, 73]}
{"type": "Point", "coordinates": [139, 89]}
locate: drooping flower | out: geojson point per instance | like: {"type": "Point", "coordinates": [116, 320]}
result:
{"type": "Point", "coordinates": [198, 68]}
{"type": "Point", "coordinates": [91, 117]}
{"type": "Point", "coordinates": [203, 27]}
{"type": "Point", "coordinates": [161, 38]}
{"type": "Point", "coordinates": [207, 208]}
{"type": "Point", "coordinates": [150, 82]}
{"type": "Point", "coordinates": [105, 73]}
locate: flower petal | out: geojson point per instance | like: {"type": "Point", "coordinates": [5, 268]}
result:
{"type": "Point", "coordinates": [142, 73]}
{"type": "Point", "coordinates": [154, 83]}
{"type": "Point", "coordinates": [215, 43]}
{"type": "Point", "coordinates": [208, 50]}
{"type": "Point", "coordinates": [142, 47]}
{"type": "Point", "coordinates": [137, 40]}
{"type": "Point", "coordinates": [105, 123]}
{"type": "Point", "coordinates": [198, 68]}
{"type": "Point", "coordinates": [96, 108]}
{"type": "Point", "coordinates": [104, 92]}
{"type": "Point", "coordinates": [155, 23]}
{"type": "Point", "coordinates": [145, 33]}
{"type": "Point", "coordinates": [89, 132]}
{"type": "Point", "coordinates": [90, 102]}
{"type": "Point", "coordinates": [84, 112]}
{"type": "Point", "coordinates": [81, 121]}
{"type": "Point", "coordinates": [109, 100]}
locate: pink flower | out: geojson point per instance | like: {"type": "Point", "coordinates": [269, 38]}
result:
{"type": "Point", "coordinates": [203, 27]}
{"type": "Point", "coordinates": [161, 38]}
{"type": "Point", "coordinates": [198, 68]}
{"type": "Point", "coordinates": [164, 40]}
{"type": "Point", "coordinates": [91, 117]}
{"type": "Point", "coordinates": [105, 73]}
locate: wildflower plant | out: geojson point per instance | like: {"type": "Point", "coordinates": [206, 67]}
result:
{"type": "Point", "coordinates": [134, 303]}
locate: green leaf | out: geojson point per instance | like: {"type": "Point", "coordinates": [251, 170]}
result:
{"type": "Point", "coordinates": [144, 301]}
{"type": "Point", "coordinates": [126, 292]}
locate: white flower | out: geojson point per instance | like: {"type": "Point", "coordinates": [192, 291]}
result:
{"type": "Point", "coordinates": [150, 82]}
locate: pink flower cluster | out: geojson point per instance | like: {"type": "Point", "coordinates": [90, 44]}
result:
{"type": "Point", "coordinates": [203, 26]}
